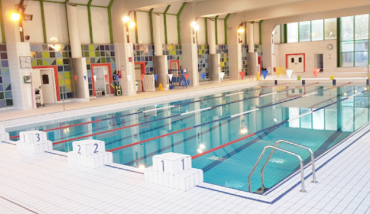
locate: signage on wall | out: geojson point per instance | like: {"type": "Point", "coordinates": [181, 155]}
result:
{"type": "Point", "coordinates": [130, 59]}
{"type": "Point", "coordinates": [25, 61]}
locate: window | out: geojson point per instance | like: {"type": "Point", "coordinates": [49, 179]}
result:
{"type": "Point", "coordinates": [355, 41]}
{"type": "Point", "coordinates": [292, 60]}
{"type": "Point", "coordinates": [330, 29]}
{"type": "Point", "coordinates": [305, 31]}
{"type": "Point", "coordinates": [317, 30]}
{"type": "Point", "coordinates": [292, 32]}
{"type": "Point", "coordinates": [300, 59]}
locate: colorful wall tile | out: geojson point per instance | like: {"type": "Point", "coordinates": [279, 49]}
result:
{"type": "Point", "coordinates": [223, 50]}
{"type": "Point", "coordinates": [203, 51]}
{"type": "Point", "coordinates": [60, 54]}
{"type": "Point", "coordinates": [97, 54]}
{"type": "Point", "coordinates": [6, 99]}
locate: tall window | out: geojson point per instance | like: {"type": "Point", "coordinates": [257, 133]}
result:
{"type": "Point", "coordinates": [292, 29]}
{"type": "Point", "coordinates": [317, 30]}
{"type": "Point", "coordinates": [305, 31]}
{"type": "Point", "coordinates": [330, 28]}
{"type": "Point", "coordinates": [355, 41]}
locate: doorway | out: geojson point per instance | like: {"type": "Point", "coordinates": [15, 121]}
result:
{"type": "Point", "coordinates": [139, 70]}
{"type": "Point", "coordinates": [109, 77]}
{"type": "Point", "coordinates": [101, 78]}
{"type": "Point", "coordinates": [45, 85]}
{"type": "Point", "coordinates": [296, 62]}
{"type": "Point", "coordinates": [319, 61]}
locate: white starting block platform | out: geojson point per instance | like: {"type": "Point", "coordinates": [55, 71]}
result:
{"type": "Point", "coordinates": [4, 136]}
{"type": "Point", "coordinates": [89, 153]}
{"type": "Point", "coordinates": [35, 142]}
{"type": "Point", "coordinates": [173, 170]}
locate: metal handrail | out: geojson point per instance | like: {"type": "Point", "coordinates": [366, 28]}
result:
{"type": "Point", "coordinates": [294, 144]}
{"type": "Point", "coordinates": [259, 159]}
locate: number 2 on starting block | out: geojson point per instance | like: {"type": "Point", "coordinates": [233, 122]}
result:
{"type": "Point", "coordinates": [88, 147]}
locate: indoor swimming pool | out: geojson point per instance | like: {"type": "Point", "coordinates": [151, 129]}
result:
{"type": "Point", "coordinates": [225, 133]}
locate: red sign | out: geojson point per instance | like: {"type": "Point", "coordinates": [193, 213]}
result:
{"type": "Point", "coordinates": [130, 59]}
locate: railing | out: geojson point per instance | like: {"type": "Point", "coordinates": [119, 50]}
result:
{"type": "Point", "coordinates": [288, 152]}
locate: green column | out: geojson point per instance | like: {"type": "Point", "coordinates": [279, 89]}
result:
{"type": "Point", "coordinates": [90, 24]}
{"type": "Point", "coordinates": [151, 24]}
{"type": "Point", "coordinates": [260, 31]}
{"type": "Point", "coordinates": [339, 46]}
{"type": "Point", "coordinates": [178, 22]}
{"type": "Point", "coordinates": [136, 32]}
{"type": "Point", "coordinates": [2, 23]}
{"type": "Point", "coordinates": [165, 24]}
{"type": "Point", "coordinates": [43, 20]}
{"type": "Point", "coordinates": [110, 20]}
{"type": "Point", "coordinates": [225, 26]}
{"type": "Point", "coordinates": [216, 35]}
{"type": "Point", "coordinates": [206, 28]}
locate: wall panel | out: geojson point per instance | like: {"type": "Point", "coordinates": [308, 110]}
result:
{"type": "Point", "coordinates": [34, 28]}
{"type": "Point", "coordinates": [55, 23]}
{"type": "Point", "coordinates": [143, 28]}
{"type": "Point", "coordinates": [83, 24]}
{"type": "Point", "coordinates": [172, 36]}
{"type": "Point", "coordinates": [100, 25]}
{"type": "Point", "coordinates": [201, 34]}
{"type": "Point", "coordinates": [221, 32]}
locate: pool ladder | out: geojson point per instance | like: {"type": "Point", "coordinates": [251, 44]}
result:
{"type": "Point", "coordinates": [288, 152]}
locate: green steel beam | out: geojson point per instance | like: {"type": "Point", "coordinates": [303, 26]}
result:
{"type": "Point", "coordinates": [60, 2]}
{"type": "Point", "coordinates": [206, 28]}
{"type": "Point", "coordinates": [245, 33]}
{"type": "Point", "coordinates": [136, 35]}
{"type": "Point", "coordinates": [110, 21]}
{"type": "Point", "coordinates": [165, 24]}
{"type": "Point", "coordinates": [216, 35]}
{"type": "Point", "coordinates": [151, 24]}
{"type": "Point", "coordinates": [225, 27]}
{"type": "Point", "coordinates": [2, 24]}
{"type": "Point", "coordinates": [260, 31]}
{"type": "Point", "coordinates": [65, 5]}
{"type": "Point", "coordinates": [178, 22]}
{"type": "Point", "coordinates": [285, 33]}
{"type": "Point", "coordinates": [43, 20]}
{"type": "Point", "coordinates": [90, 23]}
{"type": "Point", "coordinates": [339, 47]}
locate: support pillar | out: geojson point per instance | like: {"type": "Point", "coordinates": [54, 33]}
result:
{"type": "Point", "coordinates": [160, 61]}
{"type": "Point", "coordinates": [252, 56]}
{"type": "Point", "coordinates": [213, 57]}
{"type": "Point", "coordinates": [235, 47]}
{"type": "Point", "coordinates": [125, 63]}
{"type": "Point", "coordinates": [189, 44]}
{"type": "Point", "coordinates": [79, 76]}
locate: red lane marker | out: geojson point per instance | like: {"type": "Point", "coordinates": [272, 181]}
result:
{"type": "Point", "coordinates": [90, 135]}
{"type": "Point", "coordinates": [153, 138]}
{"type": "Point", "coordinates": [222, 146]}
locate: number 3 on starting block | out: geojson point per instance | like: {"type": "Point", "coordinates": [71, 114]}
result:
{"type": "Point", "coordinates": [88, 147]}
{"type": "Point", "coordinates": [32, 137]}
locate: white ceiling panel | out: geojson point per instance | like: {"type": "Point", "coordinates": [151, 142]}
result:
{"type": "Point", "coordinates": [104, 3]}
{"type": "Point", "coordinates": [79, 1]}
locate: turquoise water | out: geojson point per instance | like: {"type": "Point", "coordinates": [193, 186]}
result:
{"type": "Point", "coordinates": [210, 122]}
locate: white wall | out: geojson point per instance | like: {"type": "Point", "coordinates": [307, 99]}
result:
{"type": "Point", "coordinates": [83, 24]}
{"type": "Point", "coordinates": [131, 31]}
{"type": "Point", "coordinates": [100, 25]}
{"type": "Point", "coordinates": [161, 27]}
{"type": "Point", "coordinates": [172, 36]}
{"type": "Point", "coordinates": [34, 28]}
{"type": "Point", "coordinates": [221, 32]}
{"type": "Point", "coordinates": [143, 28]}
{"type": "Point", "coordinates": [56, 23]}
{"type": "Point", "coordinates": [201, 34]}
{"type": "Point", "coordinates": [310, 49]}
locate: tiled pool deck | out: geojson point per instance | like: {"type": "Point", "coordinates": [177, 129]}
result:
{"type": "Point", "coordinates": [46, 183]}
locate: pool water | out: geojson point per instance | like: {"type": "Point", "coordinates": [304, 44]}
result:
{"type": "Point", "coordinates": [225, 133]}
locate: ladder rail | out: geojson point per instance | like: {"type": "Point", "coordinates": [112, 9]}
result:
{"type": "Point", "coordinates": [294, 144]}
{"type": "Point", "coordinates": [282, 150]}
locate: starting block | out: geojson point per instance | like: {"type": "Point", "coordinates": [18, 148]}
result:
{"type": "Point", "coordinates": [89, 153]}
{"type": "Point", "coordinates": [34, 142]}
{"type": "Point", "coordinates": [4, 136]}
{"type": "Point", "coordinates": [173, 170]}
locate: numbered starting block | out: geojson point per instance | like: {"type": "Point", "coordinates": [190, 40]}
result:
{"type": "Point", "coordinates": [174, 171]}
{"type": "Point", "coordinates": [34, 142]}
{"type": "Point", "coordinates": [3, 135]}
{"type": "Point", "coordinates": [89, 153]}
